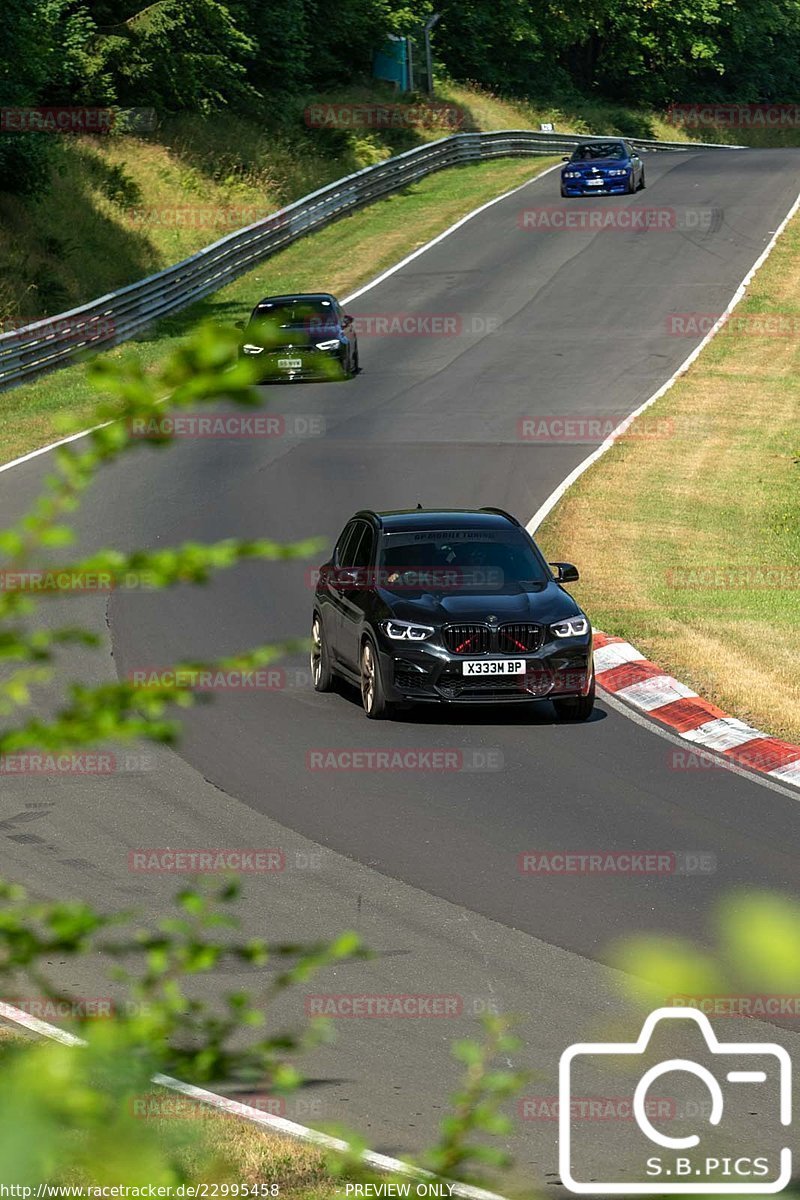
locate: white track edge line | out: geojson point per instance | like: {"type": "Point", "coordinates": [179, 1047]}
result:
{"type": "Point", "coordinates": [738, 295]}
{"type": "Point", "coordinates": [16, 462]}
{"type": "Point", "coordinates": [278, 1124]}
{"type": "Point", "coordinates": [380, 1162]}
{"type": "Point", "coordinates": [554, 497]}
{"type": "Point", "coordinates": [446, 233]}
{"type": "Point", "coordinates": [671, 735]}
{"type": "Point", "coordinates": [645, 717]}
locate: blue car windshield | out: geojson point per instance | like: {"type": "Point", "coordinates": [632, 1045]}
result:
{"type": "Point", "coordinates": [613, 150]}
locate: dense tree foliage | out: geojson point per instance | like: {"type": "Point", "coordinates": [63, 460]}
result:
{"type": "Point", "coordinates": [204, 55]}
{"type": "Point", "coordinates": [648, 51]}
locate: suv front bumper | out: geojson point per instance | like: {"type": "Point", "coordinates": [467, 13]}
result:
{"type": "Point", "coordinates": [411, 674]}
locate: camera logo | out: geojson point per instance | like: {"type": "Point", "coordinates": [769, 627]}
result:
{"type": "Point", "coordinates": [671, 1164]}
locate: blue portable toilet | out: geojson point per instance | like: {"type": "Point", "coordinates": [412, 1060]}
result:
{"type": "Point", "coordinates": [392, 63]}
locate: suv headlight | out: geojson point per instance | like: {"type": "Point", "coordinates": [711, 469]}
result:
{"type": "Point", "coordinates": [329, 345]}
{"type": "Point", "coordinates": [250, 348]}
{"type": "Point", "coordinates": [407, 631]}
{"type": "Point", "coordinates": [574, 627]}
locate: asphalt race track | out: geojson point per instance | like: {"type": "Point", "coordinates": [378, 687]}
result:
{"type": "Point", "coordinates": [425, 863]}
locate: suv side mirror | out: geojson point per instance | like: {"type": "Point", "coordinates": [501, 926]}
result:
{"type": "Point", "coordinates": [240, 324]}
{"type": "Point", "coordinates": [348, 579]}
{"type": "Point", "coordinates": [565, 572]}
{"type": "Point", "coordinates": [347, 321]}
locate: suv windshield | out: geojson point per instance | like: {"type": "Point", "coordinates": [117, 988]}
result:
{"type": "Point", "coordinates": [498, 559]}
{"type": "Point", "coordinates": [614, 150]}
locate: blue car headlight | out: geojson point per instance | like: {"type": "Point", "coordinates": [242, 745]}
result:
{"type": "Point", "coordinates": [616, 171]}
{"type": "Point", "coordinates": [571, 174]}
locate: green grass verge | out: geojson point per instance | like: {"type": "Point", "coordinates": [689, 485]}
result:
{"type": "Point", "coordinates": [338, 259]}
{"type": "Point", "coordinates": [687, 532]}
{"type": "Point", "coordinates": [120, 207]}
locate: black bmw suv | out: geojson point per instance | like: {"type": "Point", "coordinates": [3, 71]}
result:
{"type": "Point", "coordinates": [453, 605]}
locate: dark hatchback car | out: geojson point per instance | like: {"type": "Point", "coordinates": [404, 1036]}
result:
{"type": "Point", "coordinates": [299, 337]}
{"type": "Point", "coordinates": [452, 605]}
{"type": "Point", "coordinates": [602, 168]}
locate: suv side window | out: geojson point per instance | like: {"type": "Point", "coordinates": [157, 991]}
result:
{"type": "Point", "coordinates": [365, 550]}
{"type": "Point", "coordinates": [346, 544]}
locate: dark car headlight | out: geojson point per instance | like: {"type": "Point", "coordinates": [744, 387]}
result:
{"type": "Point", "coordinates": [572, 627]}
{"type": "Point", "coordinates": [407, 631]}
{"type": "Point", "coordinates": [331, 344]}
{"type": "Point", "coordinates": [251, 348]}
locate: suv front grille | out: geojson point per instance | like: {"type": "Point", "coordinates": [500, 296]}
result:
{"type": "Point", "coordinates": [519, 638]}
{"type": "Point", "coordinates": [467, 639]}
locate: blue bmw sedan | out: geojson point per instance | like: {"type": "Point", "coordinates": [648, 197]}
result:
{"type": "Point", "coordinates": [601, 168]}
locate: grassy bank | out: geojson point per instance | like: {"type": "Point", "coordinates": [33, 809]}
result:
{"type": "Point", "coordinates": [338, 258]}
{"type": "Point", "coordinates": [120, 207]}
{"type": "Point", "coordinates": [242, 1152]}
{"type": "Point", "coordinates": [687, 533]}
{"type": "Point", "coordinates": [201, 1140]}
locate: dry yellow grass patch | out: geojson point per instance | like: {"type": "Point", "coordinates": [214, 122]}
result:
{"type": "Point", "coordinates": [689, 544]}
{"type": "Point", "coordinates": [257, 1156]}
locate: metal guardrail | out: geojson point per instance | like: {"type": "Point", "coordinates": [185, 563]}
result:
{"type": "Point", "coordinates": [54, 341]}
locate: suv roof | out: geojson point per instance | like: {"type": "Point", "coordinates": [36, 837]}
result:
{"type": "Point", "coordinates": [403, 520]}
{"type": "Point", "coordinates": [293, 297]}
